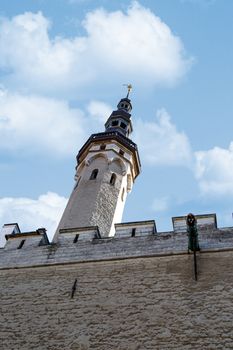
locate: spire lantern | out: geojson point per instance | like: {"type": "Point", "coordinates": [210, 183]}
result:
{"type": "Point", "coordinates": [120, 119]}
{"type": "Point", "coordinates": [125, 104]}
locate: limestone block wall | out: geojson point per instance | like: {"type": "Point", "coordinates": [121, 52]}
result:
{"type": "Point", "coordinates": [129, 304]}
{"type": "Point", "coordinates": [29, 242]}
{"type": "Point", "coordinates": [134, 291]}
{"type": "Point", "coordinates": [135, 229]}
{"type": "Point", "coordinates": [91, 247]}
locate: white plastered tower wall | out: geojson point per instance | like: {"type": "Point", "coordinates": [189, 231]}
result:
{"type": "Point", "coordinates": [125, 188]}
{"type": "Point", "coordinates": [108, 164]}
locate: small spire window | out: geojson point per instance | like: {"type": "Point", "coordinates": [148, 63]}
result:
{"type": "Point", "coordinates": [94, 174]}
{"type": "Point", "coordinates": [113, 179]}
{"type": "Point", "coordinates": [114, 122]}
{"type": "Point", "coordinates": [124, 105]}
{"type": "Point", "coordinates": [123, 125]}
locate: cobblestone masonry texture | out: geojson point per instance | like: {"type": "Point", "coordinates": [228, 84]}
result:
{"type": "Point", "coordinates": [130, 304]}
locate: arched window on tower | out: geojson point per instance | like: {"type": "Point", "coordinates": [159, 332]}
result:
{"type": "Point", "coordinates": [94, 174]}
{"type": "Point", "coordinates": [113, 179]}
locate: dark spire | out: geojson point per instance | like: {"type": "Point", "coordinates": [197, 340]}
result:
{"type": "Point", "coordinates": [119, 120]}
{"type": "Point", "coordinates": [125, 104]}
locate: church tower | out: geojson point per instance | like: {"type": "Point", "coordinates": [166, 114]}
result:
{"type": "Point", "coordinates": [107, 166]}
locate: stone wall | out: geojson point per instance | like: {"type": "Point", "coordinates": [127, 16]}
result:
{"type": "Point", "coordinates": [134, 291]}
{"type": "Point", "coordinates": [146, 242]}
{"type": "Point", "coordinates": [129, 304]}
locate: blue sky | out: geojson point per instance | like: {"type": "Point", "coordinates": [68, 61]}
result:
{"type": "Point", "coordinates": [63, 64]}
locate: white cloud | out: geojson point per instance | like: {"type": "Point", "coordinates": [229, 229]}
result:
{"type": "Point", "coordinates": [99, 111]}
{"type": "Point", "coordinates": [161, 143]}
{"type": "Point", "coordinates": [214, 171]}
{"type": "Point", "coordinates": [135, 44]}
{"type": "Point", "coordinates": [37, 124]}
{"type": "Point", "coordinates": [31, 214]}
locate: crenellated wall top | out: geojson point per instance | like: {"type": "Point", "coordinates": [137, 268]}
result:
{"type": "Point", "coordinates": [131, 240]}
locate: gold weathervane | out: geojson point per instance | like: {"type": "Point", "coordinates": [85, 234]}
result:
{"type": "Point", "coordinates": [129, 87]}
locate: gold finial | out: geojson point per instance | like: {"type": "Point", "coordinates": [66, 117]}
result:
{"type": "Point", "coordinates": [129, 87]}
